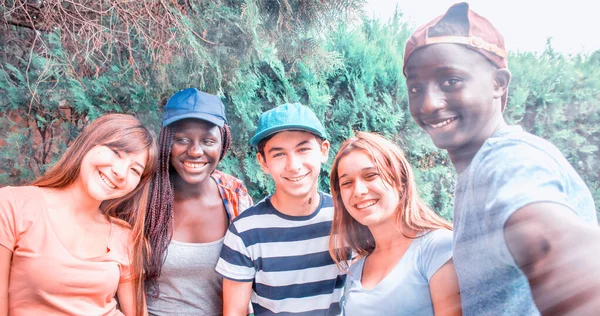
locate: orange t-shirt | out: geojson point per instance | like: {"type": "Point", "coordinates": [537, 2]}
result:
{"type": "Point", "coordinates": [45, 277]}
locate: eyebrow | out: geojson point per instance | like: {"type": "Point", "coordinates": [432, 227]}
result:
{"type": "Point", "coordinates": [281, 148]}
{"type": "Point", "coordinates": [363, 169]}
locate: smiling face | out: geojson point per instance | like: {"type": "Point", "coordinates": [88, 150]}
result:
{"type": "Point", "coordinates": [107, 173]}
{"type": "Point", "coordinates": [455, 95]}
{"type": "Point", "coordinates": [196, 150]}
{"type": "Point", "coordinates": [366, 196]}
{"type": "Point", "coordinates": [293, 159]}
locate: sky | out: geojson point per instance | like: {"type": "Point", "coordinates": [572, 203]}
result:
{"type": "Point", "coordinates": [573, 25]}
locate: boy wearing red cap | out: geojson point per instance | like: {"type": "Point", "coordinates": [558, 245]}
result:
{"type": "Point", "coordinates": [524, 221]}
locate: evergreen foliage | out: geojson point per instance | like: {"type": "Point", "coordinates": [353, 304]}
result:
{"type": "Point", "coordinates": [257, 54]}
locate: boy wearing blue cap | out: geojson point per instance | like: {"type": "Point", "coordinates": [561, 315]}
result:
{"type": "Point", "coordinates": [276, 253]}
{"type": "Point", "coordinates": [524, 222]}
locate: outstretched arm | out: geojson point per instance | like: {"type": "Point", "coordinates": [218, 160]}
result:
{"type": "Point", "coordinates": [236, 297]}
{"type": "Point", "coordinates": [559, 255]}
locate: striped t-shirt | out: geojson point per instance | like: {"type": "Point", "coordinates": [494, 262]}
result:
{"type": "Point", "coordinates": [287, 259]}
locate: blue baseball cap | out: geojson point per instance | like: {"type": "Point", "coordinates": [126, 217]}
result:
{"type": "Point", "coordinates": [289, 116]}
{"type": "Point", "coordinates": [192, 103]}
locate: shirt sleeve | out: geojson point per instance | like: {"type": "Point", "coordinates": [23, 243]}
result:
{"type": "Point", "coordinates": [235, 262]}
{"type": "Point", "coordinates": [8, 227]}
{"type": "Point", "coordinates": [513, 176]}
{"type": "Point", "coordinates": [436, 251]}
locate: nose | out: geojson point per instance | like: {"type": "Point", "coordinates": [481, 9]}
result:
{"type": "Point", "coordinates": [293, 162]}
{"type": "Point", "coordinates": [195, 150]}
{"type": "Point", "coordinates": [433, 100]}
{"type": "Point", "coordinates": [360, 188]}
{"type": "Point", "coordinates": [119, 168]}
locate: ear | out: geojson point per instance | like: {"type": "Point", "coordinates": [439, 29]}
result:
{"type": "Point", "coordinates": [324, 151]}
{"type": "Point", "coordinates": [263, 163]}
{"type": "Point", "coordinates": [501, 82]}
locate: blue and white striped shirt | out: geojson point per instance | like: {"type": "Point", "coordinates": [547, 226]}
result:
{"type": "Point", "coordinates": [286, 257]}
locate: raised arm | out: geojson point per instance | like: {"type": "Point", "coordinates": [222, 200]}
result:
{"type": "Point", "coordinates": [236, 297]}
{"type": "Point", "coordinates": [559, 255]}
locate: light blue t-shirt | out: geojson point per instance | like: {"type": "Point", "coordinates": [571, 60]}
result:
{"type": "Point", "coordinates": [405, 290]}
{"type": "Point", "coordinates": [512, 169]}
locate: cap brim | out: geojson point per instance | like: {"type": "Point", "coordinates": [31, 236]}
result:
{"type": "Point", "coordinates": [270, 131]}
{"type": "Point", "coordinates": [201, 116]}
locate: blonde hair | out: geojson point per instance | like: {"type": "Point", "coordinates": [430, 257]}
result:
{"type": "Point", "coordinates": [347, 234]}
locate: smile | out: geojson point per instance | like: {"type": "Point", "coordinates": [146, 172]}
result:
{"type": "Point", "coordinates": [296, 179]}
{"type": "Point", "coordinates": [365, 204]}
{"type": "Point", "coordinates": [194, 165]}
{"type": "Point", "coordinates": [442, 123]}
{"type": "Point", "coordinates": [107, 182]}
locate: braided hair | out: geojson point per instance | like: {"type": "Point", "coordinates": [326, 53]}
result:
{"type": "Point", "coordinates": [159, 218]}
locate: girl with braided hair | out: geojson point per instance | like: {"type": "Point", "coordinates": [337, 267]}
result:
{"type": "Point", "coordinates": [191, 206]}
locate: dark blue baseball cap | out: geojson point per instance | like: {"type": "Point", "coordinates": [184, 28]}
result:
{"type": "Point", "coordinates": [193, 103]}
{"type": "Point", "coordinates": [289, 116]}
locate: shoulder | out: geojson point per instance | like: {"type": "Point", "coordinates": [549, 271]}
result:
{"type": "Point", "coordinates": [227, 181]}
{"type": "Point", "coordinates": [514, 147]}
{"type": "Point", "coordinates": [261, 208]}
{"type": "Point", "coordinates": [23, 199]}
{"type": "Point", "coordinates": [21, 192]}
{"type": "Point", "coordinates": [439, 238]}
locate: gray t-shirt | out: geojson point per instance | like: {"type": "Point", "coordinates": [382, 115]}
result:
{"type": "Point", "coordinates": [405, 290]}
{"type": "Point", "coordinates": [512, 169]}
{"type": "Point", "coordinates": [189, 284]}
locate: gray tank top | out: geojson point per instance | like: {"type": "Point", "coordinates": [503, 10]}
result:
{"type": "Point", "coordinates": [188, 282]}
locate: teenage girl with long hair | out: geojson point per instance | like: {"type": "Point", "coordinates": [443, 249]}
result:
{"type": "Point", "coordinates": [403, 249]}
{"type": "Point", "coordinates": [191, 207]}
{"type": "Point", "coordinates": [74, 238]}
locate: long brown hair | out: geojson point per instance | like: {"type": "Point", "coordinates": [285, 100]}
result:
{"type": "Point", "coordinates": [159, 220]}
{"type": "Point", "coordinates": [347, 234]}
{"type": "Point", "coordinates": [126, 133]}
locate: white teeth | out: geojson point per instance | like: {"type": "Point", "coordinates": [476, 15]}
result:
{"type": "Point", "coordinates": [366, 204]}
{"type": "Point", "coordinates": [297, 178]}
{"type": "Point", "coordinates": [194, 165]}
{"type": "Point", "coordinates": [107, 182]}
{"type": "Point", "coordinates": [440, 124]}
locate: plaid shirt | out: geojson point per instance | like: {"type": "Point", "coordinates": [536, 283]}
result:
{"type": "Point", "coordinates": [233, 192]}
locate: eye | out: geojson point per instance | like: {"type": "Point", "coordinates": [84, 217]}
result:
{"type": "Point", "coordinates": [209, 142]}
{"type": "Point", "coordinates": [137, 172]}
{"type": "Point", "coordinates": [371, 176]}
{"type": "Point", "coordinates": [116, 152]}
{"type": "Point", "coordinates": [303, 149]}
{"type": "Point", "coordinates": [414, 89]}
{"type": "Point", "coordinates": [451, 82]}
{"type": "Point", "coordinates": [182, 140]}
{"type": "Point", "coordinates": [345, 184]}
{"type": "Point", "coordinates": [277, 155]}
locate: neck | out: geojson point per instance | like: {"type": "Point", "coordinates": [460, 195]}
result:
{"type": "Point", "coordinates": [78, 200]}
{"type": "Point", "coordinates": [296, 205]}
{"type": "Point", "coordinates": [388, 235]}
{"type": "Point", "coordinates": [461, 157]}
{"type": "Point", "coordinates": [184, 190]}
